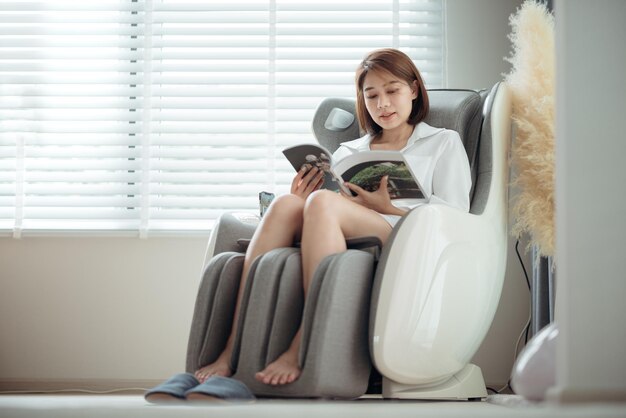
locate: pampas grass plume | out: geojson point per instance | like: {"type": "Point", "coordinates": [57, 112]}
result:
{"type": "Point", "coordinates": [532, 154]}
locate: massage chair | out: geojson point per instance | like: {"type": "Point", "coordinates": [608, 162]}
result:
{"type": "Point", "coordinates": [402, 320]}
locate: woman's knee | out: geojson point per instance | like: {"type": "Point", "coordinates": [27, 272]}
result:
{"type": "Point", "coordinates": [321, 203]}
{"type": "Point", "coordinates": [285, 207]}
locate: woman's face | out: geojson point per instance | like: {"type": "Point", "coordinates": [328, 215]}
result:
{"type": "Point", "coordinates": [388, 99]}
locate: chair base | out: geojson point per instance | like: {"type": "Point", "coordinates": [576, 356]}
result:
{"type": "Point", "coordinates": [468, 384]}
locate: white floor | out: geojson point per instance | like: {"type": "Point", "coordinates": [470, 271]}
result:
{"type": "Point", "coordinates": [76, 405]}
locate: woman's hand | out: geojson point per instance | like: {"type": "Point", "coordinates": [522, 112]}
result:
{"type": "Point", "coordinates": [307, 181]}
{"type": "Point", "coordinates": [378, 200]}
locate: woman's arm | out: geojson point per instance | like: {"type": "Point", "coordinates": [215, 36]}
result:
{"type": "Point", "coordinates": [452, 179]}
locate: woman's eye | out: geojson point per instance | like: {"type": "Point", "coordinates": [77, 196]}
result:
{"type": "Point", "coordinates": [392, 91]}
{"type": "Point", "coordinates": [371, 97]}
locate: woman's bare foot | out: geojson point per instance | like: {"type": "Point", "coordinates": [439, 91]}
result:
{"type": "Point", "coordinates": [221, 367]}
{"type": "Point", "coordinates": [282, 371]}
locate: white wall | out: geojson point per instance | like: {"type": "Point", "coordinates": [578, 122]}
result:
{"type": "Point", "coordinates": [96, 308]}
{"type": "Point", "coordinates": [118, 309]}
{"type": "Point", "coordinates": [590, 150]}
{"type": "Point", "coordinates": [477, 41]}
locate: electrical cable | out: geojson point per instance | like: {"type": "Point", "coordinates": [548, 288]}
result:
{"type": "Point", "coordinates": [89, 391]}
{"type": "Point", "coordinates": [519, 257]}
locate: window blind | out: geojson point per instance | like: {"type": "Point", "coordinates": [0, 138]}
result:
{"type": "Point", "coordinates": [156, 116]}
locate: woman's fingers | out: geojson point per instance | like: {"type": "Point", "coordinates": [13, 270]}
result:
{"type": "Point", "coordinates": [300, 181]}
{"type": "Point", "coordinates": [315, 182]}
{"type": "Point", "coordinates": [320, 183]}
{"type": "Point", "coordinates": [305, 182]}
{"type": "Point", "coordinates": [382, 187]}
{"type": "Point", "coordinates": [295, 183]}
{"type": "Point", "coordinates": [311, 174]}
{"type": "Point", "coordinates": [377, 200]}
{"type": "Point", "coordinates": [384, 183]}
{"type": "Point", "coordinates": [356, 189]}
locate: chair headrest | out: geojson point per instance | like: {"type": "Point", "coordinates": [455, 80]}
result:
{"type": "Point", "coordinates": [335, 122]}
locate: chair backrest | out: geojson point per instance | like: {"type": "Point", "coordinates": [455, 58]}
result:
{"type": "Point", "coordinates": [459, 110]}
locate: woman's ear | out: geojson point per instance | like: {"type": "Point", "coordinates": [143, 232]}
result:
{"type": "Point", "coordinates": [414, 90]}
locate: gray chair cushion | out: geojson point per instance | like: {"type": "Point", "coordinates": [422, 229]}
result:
{"type": "Point", "coordinates": [214, 310]}
{"type": "Point", "coordinates": [334, 354]}
{"type": "Point", "coordinates": [484, 161]}
{"type": "Point", "coordinates": [459, 110]}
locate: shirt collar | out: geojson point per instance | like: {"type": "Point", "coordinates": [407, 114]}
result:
{"type": "Point", "coordinates": [422, 130]}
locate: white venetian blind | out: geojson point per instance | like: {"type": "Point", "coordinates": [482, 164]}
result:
{"type": "Point", "coordinates": [160, 115]}
{"type": "Point", "coordinates": [71, 115]}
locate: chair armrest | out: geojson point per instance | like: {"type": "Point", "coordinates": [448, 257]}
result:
{"type": "Point", "coordinates": [361, 243]}
{"type": "Point", "coordinates": [228, 229]}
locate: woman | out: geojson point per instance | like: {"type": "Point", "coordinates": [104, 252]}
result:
{"type": "Point", "coordinates": [391, 104]}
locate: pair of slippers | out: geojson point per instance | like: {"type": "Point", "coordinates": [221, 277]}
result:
{"type": "Point", "coordinates": [185, 386]}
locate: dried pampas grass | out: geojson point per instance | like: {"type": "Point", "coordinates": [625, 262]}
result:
{"type": "Point", "coordinates": [532, 154]}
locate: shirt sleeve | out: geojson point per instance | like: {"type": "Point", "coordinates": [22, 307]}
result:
{"type": "Point", "coordinates": [452, 179]}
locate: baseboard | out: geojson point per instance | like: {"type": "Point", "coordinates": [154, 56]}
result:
{"type": "Point", "coordinates": [121, 386]}
{"type": "Point", "coordinates": [573, 396]}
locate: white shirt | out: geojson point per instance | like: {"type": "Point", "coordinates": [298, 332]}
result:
{"type": "Point", "coordinates": [438, 159]}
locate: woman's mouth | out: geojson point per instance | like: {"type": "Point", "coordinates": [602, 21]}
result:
{"type": "Point", "coordinates": [387, 116]}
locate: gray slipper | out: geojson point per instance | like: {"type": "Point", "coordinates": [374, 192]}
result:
{"type": "Point", "coordinates": [173, 389]}
{"type": "Point", "coordinates": [218, 388]}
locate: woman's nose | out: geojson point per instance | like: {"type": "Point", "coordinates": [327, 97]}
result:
{"type": "Point", "coordinates": [382, 101]}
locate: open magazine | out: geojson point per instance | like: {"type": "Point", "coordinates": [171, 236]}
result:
{"type": "Point", "coordinates": [365, 169]}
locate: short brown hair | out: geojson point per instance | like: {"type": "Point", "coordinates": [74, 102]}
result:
{"type": "Point", "coordinates": [398, 64]}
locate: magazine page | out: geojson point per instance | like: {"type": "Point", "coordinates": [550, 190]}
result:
{"type": "Point", "coordinates": [366, 169]}
{"type": "Point", "coordinates": [313, 155]}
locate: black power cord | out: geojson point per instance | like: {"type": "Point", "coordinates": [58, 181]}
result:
{"type": "Point", "coordinates": [519, 257]}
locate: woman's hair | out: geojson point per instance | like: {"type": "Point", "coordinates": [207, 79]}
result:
{"type": "Point", "coordinates": [399, 65]}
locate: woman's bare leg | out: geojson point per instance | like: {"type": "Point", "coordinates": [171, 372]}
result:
{"type": "Point", "coordinates": [281, 225]}
{"type": "Point", "coordinates": [329, 219]}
